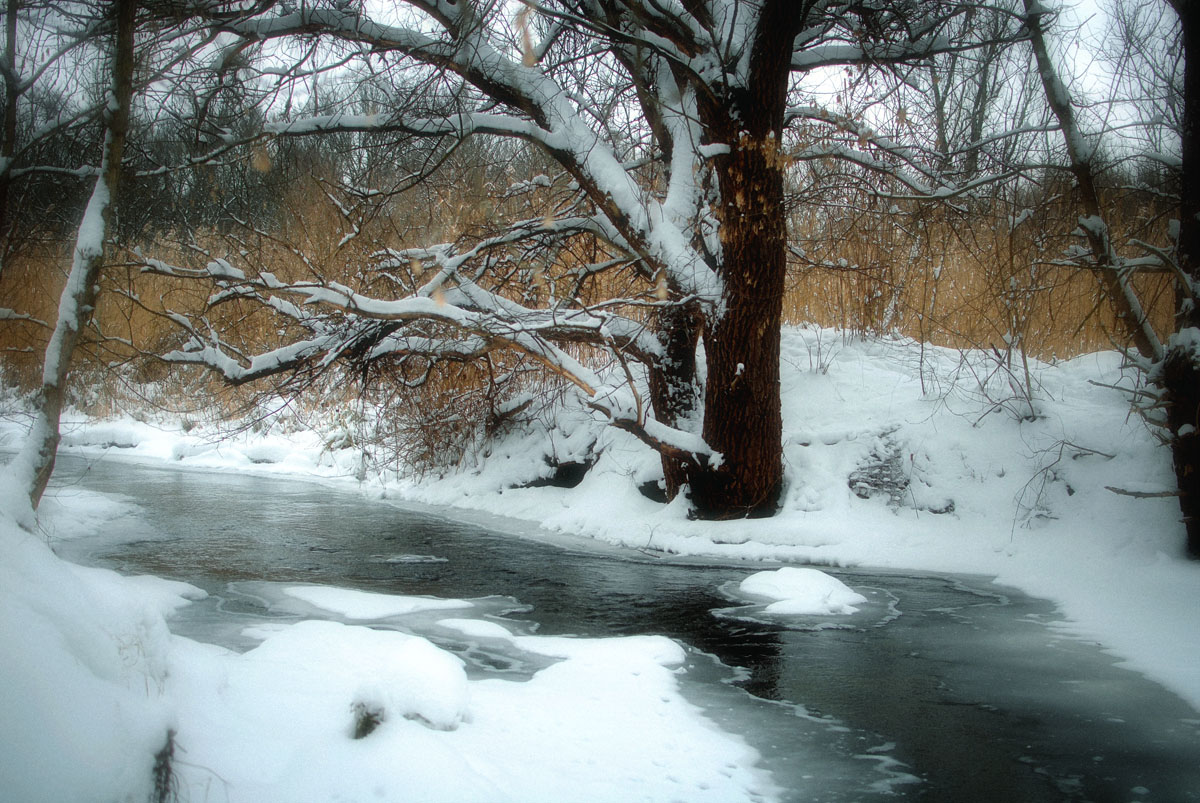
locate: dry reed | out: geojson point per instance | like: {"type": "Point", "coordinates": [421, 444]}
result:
{"type": "Point", "coordinates": [975, 281]}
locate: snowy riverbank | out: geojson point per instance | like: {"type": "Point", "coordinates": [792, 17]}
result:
{"type": "Point", "coordinates": [954, 479]}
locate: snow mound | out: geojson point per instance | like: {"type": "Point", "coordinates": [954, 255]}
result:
{"type": "Point", "coordinates": [348, 667]}
{"type": "Point", "coordinates": [802, 591]}
{"type": "Point", "coordinates": [283, 722]}
{"type": "Point", "coordinates": [83, 663]}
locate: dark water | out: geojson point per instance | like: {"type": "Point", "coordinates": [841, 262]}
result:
{"type": "Point", "coordinates": [940, 689]}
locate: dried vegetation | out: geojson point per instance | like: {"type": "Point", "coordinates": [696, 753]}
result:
{"type": "Point", "coordinates": [983, 277]}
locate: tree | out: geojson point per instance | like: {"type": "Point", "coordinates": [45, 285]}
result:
{"type": "Point", "coordinates": [1171, 364]}
{"type": "Point", "coordinates": [31, 468]}
{"type": "Point", "coordinates": [125, 47]}
{"type": "Point", "coordinates": [40, 46]}
{"type": "Point", "coordinates": [672, 125]}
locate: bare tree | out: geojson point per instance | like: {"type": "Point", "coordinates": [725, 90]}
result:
{"type": "Point", "coordinates": [670, 123]}
{"type": "Point", "coordinates": [53, 97]}
{"type": "Point", "coordinates": [1171, 360]}
{"type": "Point", "coordinates": [31, 468]}
{"type": "Point", "coordinates": [12, 92]}
{"type": "Point", "coordinates": [1112, 270]}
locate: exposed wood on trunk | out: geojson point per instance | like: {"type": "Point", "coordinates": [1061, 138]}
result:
{"type": "Point", "coordinates": [743, 417]}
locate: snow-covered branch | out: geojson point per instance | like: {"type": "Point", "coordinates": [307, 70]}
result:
{"type": "Point", "coordinates": [1092, 224]}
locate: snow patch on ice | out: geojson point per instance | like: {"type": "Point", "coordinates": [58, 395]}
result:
{"type": "Point", "coordinates": [803, 591]}
{"type": "Point", "coordinates": [354, 604]}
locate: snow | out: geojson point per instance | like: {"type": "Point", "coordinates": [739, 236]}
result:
{"type": "Point", "coordinates": [478, 628]}
{"type": "Point", "coordinates": [367, 605]}
{"type": "Point", "coordinates": [91, 679]}
{"type": "Point", "coordinates": [92, 682]}
{"type": "Point", "coordinates": [82, 667]}
{"type": "Point", "coordinates": [801, 590]}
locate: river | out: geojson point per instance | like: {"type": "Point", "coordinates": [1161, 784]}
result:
{"type": "Point", "coordinates": [942, 688]}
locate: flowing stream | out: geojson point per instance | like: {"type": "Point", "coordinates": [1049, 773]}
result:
{"type": "Point", "coordinates": [940, 689]}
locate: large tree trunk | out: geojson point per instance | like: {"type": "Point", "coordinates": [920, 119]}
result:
{"type": "Point", "coordinates": [742, 409]}
{"type": "Point", "coordinates": [1180, 373]}
{"type": "Point", "coordinates": [32, 466]}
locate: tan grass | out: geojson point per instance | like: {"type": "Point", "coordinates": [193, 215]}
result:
{"type": "Point", "coordinates": [966, 283]}
{"type": "Point", "coordinates": [944, 279]}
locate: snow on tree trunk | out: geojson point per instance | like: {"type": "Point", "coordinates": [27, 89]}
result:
{"type": "Point", "coordinates": [31, 468]}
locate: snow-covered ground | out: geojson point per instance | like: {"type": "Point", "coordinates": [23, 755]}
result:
{"type": "Point", "coordinates": [92, 682]}
{"type": "Point", "coordinates": [897, 456]}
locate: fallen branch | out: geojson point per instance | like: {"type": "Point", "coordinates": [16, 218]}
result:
{"type": "Point", "coordinates": [1142, 494]}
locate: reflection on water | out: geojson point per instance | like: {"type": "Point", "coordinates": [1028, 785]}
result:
{"type": "Point", "coordinates": [940, 689]}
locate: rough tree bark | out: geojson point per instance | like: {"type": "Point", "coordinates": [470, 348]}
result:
{"type": "Point", "coordinates": [32, 466]}
{"type": "Point", "coordinates": [743, 418]}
